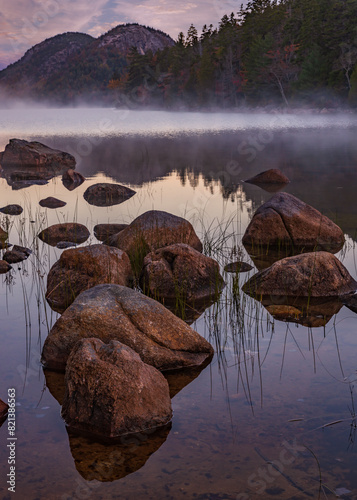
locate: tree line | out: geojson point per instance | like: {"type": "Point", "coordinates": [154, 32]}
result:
{"type": "Point", "coordinates": [271, 51]}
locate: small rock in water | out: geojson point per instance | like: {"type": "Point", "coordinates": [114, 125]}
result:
{"type": "Point", "coordinates": [4, 267]}
{"type": "Point", "coordinates": [51, 202]}
{"type": "Point", "coordinates": [12, 210]}
{"type": "Point", "coordinates": [72, 179]}
{"type": "Point", "coordinates": [238, 267]}
{"type": "Point", "coordinates": [103, 231]}
{"type": "Point", "coordinates": [105, 195]}
{"type": "Point", "coordinates": [67, 231]}
{"type": "Point", "coordinates": [65, 244]}
{"type": "Point", "coordinates": [17, 254]}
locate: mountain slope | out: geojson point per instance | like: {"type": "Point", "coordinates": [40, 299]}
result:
{"type": "Point", "coordinates": [71, 65]}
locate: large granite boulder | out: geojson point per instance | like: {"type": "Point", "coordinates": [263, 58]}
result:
{"type": "Point", "coordinates": [105, 195]}
{"type": "Point", "coordinates": [285, 221]}
{"type": "Point", "coordinates": [153, 230]}
{"type": "Point", "coordinates": [179, 272]}
{"type": "Point", "coordinates": [81, 268]}
{"type": "Point", "coordinates": [20, 153]}
{"type": "Point", "coordinates": [272, 176]}
{"type": "Point", "coordinates": [67, 231]}
{"type": "Point", "coordinates": [313, 274]}
{"type": "Point", "coordinates": [110, 391]}
{"type": "Point", "coordinates": [114, 312]}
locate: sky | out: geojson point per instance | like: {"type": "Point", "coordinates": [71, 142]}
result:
{"type": "Point", "coordinates": [23, 23]}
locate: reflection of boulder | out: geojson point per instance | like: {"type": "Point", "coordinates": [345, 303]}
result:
{"type": "Point", "coordinates": [110, 391]}
{"type": "Point", "coordinates": [108, 462]}
{"type": "Point", "coordinates": [106, 195]}
{"type": "Point", "coordinates": [178, 272]}
{"type": "Point", "coordinates": [265, 258]}
{"type": "Point", "coordinates": [285, 221]}
{"type": "Point", "coordinates": [81, 268]}
{"type": "Point", "coordinates": [67, 231]}
{"type": "Point", "coordinates": [310, 312]}
{"type": "Point", "coordinates": [350, 301]}
{"type": "Point", "coordinates": [114, 312]}
{"type": "Point", "coordinates": [314, 274]}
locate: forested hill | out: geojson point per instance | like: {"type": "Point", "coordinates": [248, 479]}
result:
{"type": "Point", "coordinates": [271, 52]}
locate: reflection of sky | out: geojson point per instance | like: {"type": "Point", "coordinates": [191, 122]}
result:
{"type": "Point", "coordinates": [24, 23]}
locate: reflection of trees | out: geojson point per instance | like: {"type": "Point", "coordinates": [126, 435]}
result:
{"type": "Point", "coordinates": [318, 162]}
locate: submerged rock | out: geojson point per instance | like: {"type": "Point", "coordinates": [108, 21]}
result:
{"type": "Point", "coordinates": [153, 230]}
{"type": "Point", "coordinates": [65, 244]}
{"type": "Point", "coordinates": [114, 312]}
{"type": "Point", "coordinates": [314, 274]}
{"type": "Point", "coordinates": [272, 176]}
{"type": "Point", "coordinates": [179, 272]}
{"type": "Point", "coordinates": [12, 210]}
{"type": "Point", "coordinates": [72, 179]}
{"type": "Point", "coordinates": [4, 267]}
{"type": "Point", "coordinates": [104, 231]}
{"type": "Point", "coordinates": [285, 221]}
{"type": "Point", "coordinates": [312, 312]}
{"type": "Point", "coordinates": [81, 268]}
{"type": "Point", "coordinates": [111, 392]}
{"type": "Point", "coordinates": [68, 231]}
{"type": "Point", "coordinates": [51, 202]}
{"type": "Point", "coordinates": [238, 267]}
{"type": "Point", "coordinates": [17, 254]}
{"type": "Point", "coordinates": [105, 194]}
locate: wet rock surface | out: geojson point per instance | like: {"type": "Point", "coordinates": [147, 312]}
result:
{"type": "Point", "coordinates": [110, 391]}
{"type": "Point", "coordinates": [285, 221]}
{"type": "Point", "coordinates": [271, 176]}
{"type": "Point", "coordinates": [104, 231]}
{"type": "Point", "coordinates": [52, 202]}
{"type": "Point", "coordinates": [153, 230]}
{"type": "Point", "coordinates": [114, 312]}
{"type": "Point", "coordinates": [11, 210]}
{"type": "Point", "coordinates": [16, 254]}
{"type": "Point", "coordinates": [71, 179]}
{"type": "Point", "coordinates": [179, 272]}
{"type": "Point", "coordinates": [4, 267]}
{"type": "Point", "coordinates": [3, 411]}
{"type": "Point", "coordinates": [68, 231]}
{"type": "Point", "coordinates": [106, 195]}
{"type": "Point", "coordinates": [238, 267]}
{"type": "Point", "coordinates": [314, 274]}
{"type": "Point", "coordinates": [35, 154]}
{"type": "Point", "coordinates": [81, 268]}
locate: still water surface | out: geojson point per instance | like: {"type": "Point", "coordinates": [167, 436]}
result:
{"type": "Point", "coordinates": [253, 423]}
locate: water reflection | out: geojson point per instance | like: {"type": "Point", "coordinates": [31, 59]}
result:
{"type": "Point", "coordinates": [110, 462]}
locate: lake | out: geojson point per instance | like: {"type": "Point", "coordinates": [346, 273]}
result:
{"type": "Point", "coordinates": [273, 414]}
